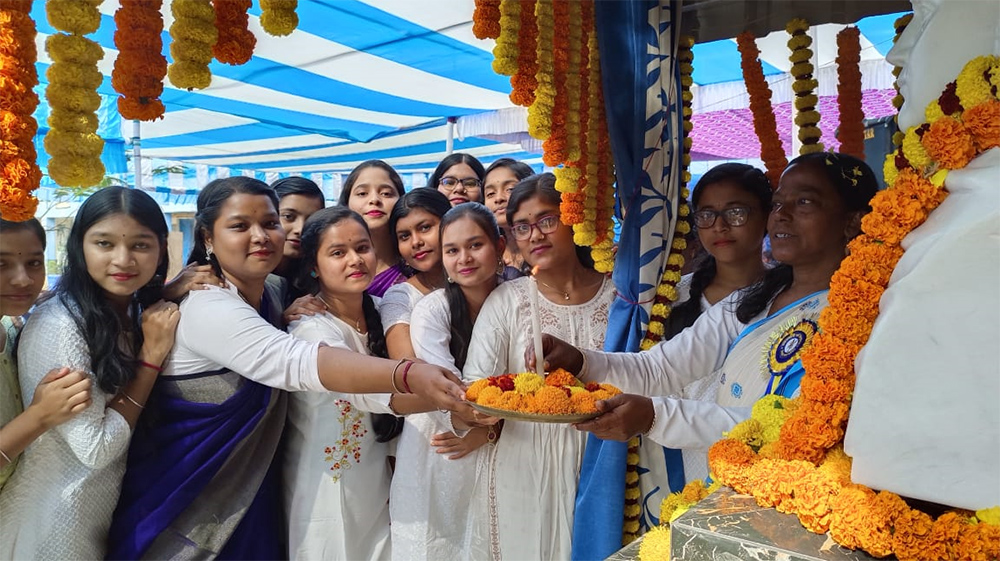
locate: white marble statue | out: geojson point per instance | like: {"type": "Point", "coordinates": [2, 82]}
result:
{"type": "Point", "coordinates": [925, 421]}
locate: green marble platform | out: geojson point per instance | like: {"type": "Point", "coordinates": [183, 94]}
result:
{"type": "Point", "coordinates": [730, 527]}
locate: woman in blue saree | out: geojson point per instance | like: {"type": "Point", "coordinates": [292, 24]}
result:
{"type": "Point", "coordinates": [201, 480]}
{"type": "Point", "coordinates": [748, 345]}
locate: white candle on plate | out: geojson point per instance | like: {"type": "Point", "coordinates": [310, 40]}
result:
{"type": "Point", "coordinates": [536, 327]}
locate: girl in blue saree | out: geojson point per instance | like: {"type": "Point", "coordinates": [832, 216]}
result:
{"type": "Point", "coordinates": [200, 481]}
{"type": "Point", "coordinates": [748, 345]}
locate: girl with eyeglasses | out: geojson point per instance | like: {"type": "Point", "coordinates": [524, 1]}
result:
{"type": "Point", "coordinates": [371, 190]}
{"type": "Point", "coordinates": [532, 472]}
{"type": "Point", "coordinates": [460, 178]}
{"type": "Point", "coordinates": [749, 344]}
{"type": "Point", "coordinates": [501, 177]}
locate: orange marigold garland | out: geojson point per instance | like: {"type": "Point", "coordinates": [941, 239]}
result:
{"type": "Point", "coordinates": [852, 129]}
{"type": "Point", "coordinates": [140, 67]}
{"type": "Point", "coordinates": [506, 50]}
{"type": "Point", "coordinates": [523, 81]}
{"type": "Point", "coordinates": [764, 124]}
{"type": "Point", "coordinates": [554, 147]}
{"type": "Point", "coordinates": [19, 172]}
{"type": "Point", "coordinates": [857, 517]}
{"type": "Point", "coordinates": [236, 43]}
{"type": "Point", "coordinates": [486, 19]}
{"type": "Point", "coordinates": [804, 86]}
{"type": "Point", "coordinates": [72, 142]}
{"type": "Point", "coordinates": [540, 110]}
{"type": "Point", "coordinates": [278, 17]}
{"type": "Point", "coordinates": [194, 34]}
{"type": "Point", "coordinates": [666, 292]}
{"type": "Point", "coordinates": [574, 71]}
{"type": "Point", "coordinates": [584, 232]}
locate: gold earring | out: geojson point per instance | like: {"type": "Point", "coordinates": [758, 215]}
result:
{"type": "Point", "coordinates": [450, 281]}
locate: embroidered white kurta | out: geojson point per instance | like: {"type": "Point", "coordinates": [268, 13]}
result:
{"type": "Point", "coordinates": [336, 477]}
{"type": "Point", "coordinates": [532, 474]}
{"type": "Point", "coordinates": [59, 502]}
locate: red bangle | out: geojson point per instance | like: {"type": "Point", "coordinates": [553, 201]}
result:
{"type": "Point", "coordinates": [151, 366]}
{"type": "Point", "coordinates": [406, 370]}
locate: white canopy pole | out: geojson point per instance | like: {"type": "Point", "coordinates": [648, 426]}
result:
{"type": "Point", "coordinates": [449, 146]}
{"type": "Point", "coordinates": [137, 153]}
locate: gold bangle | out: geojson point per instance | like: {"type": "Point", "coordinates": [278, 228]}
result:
{"type": "Point", "coordinates": [392, 377]}
{"type": "Point", "coordinates": [134, 402]}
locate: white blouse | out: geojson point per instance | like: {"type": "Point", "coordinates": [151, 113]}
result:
{"type": "Point", "coordinates": [59, 502]}
{"type": "Point", "coordinates": [218, 329]}
{"type": "Point", "coordinates": [397, 304]}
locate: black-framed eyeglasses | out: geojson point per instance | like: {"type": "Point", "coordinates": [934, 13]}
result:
{"type": "Point", "coordinates": [546, 225]}
{"type": "Point", "coordinates": [734, 216]}
{"type": "Point", "coordinates": [450, 183]}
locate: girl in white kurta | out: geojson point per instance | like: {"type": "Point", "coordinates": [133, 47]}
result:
{"type": "Point", "coordinates": [531, 475]}
{"type": "Point", "coordinates": [441, 328]}
{"type": "Point", "coordinates": [336, 473]}
{"type": "Point", "coordinates": [59, 502]}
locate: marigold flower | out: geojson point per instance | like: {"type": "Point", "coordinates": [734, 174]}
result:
{"type": "Point", "coordinates": [655, 545]}
{"type": "Point", "coordinates": [528, 383]}
{"type": "Point", "coordinates": [490, 396]}
{"type": "Point", "coordinates": [949, 142]}
{"type": "Point", "coordinates": [472, 394]}
{"type": "Point", "coordinates": [983, 121]}
{"type": "Point", "coordinates": [550, 400]}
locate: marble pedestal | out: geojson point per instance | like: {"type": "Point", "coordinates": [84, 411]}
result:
{"type": "Point", "coordinates": [730, 527]}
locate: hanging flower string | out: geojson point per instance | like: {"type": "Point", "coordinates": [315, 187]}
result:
{"type": "Point", "coordinates": [506, 51]}
{"type": "Point", "coordinates": [574, 71]}
{"type": "Point", "coordinates": [236, 43]}
{"type": "Point", "coordinates": [278, 17]}
{"type": "Point", "coordinates": [72, 143]}
{"type": "Point", "coordinates": [852, 128]}
{"type": "Point", "coordinates": [771, 151]}
{"type": "Point", "coordinates": [486, 19]}
{"type": "Point", "coordinates": [805, 470]}
{"type": "Point", "coordinates": [19, 172]}
{"type": "Point", "coordinates": [523, 81]}
{"type": "Point", "coordinates": [554, 147]}
{"type": "Point", "coordinates": [897, 100]}
{"type": "Point", "coordinates": [804, 86]}
{"type": "Point", "coordinates": [571, 179]}
{"type": "Point", "coordinates": [540, 110]}
{"type": "Point", "coordinates": [140, 67]}
{"type": "Point", "coordinates": [194, 34]}
{"type": "Point", "coordinates": [666, 292]}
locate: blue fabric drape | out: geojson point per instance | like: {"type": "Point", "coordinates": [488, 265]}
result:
{"type": "Point", "coordinates": [635, 39]}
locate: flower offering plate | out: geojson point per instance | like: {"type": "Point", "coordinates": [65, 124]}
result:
{"type": "Point", "coordinates": [533, 417]}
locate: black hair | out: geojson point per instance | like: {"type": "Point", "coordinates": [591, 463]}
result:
{"type": "Point", "coordinates": [461, 318]}
{"type": "Point", "coordinates": [751, 180]}
{"type": "Point", "coordinates": [453, 160]}
{"type": "Point", "coordinates": [113, 356]}
{"type": "Point", "coordinates": [543, 186]}
{"type": "Point", "coordinates": [520, 170]}
{"type": "Point", "coordinates": [430, 200]}
{"type": "Point", "coordinates": [210, 201]}
{"type": "Point", "coordinates": [856, 184]}
{"type": "Point", "coordinates": [30, 225]}
{"type": "Point", "coordinates": [386, 426]}
{"type": "Point", "coordinates": [352, 178]}
{"type": "Point", "coordinates": [298, 185]}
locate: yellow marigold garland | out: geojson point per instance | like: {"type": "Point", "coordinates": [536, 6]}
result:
{"type": "Point", "coordinates": [140, 67]}
{"type": "Point", "coordinates": [897, 100]}
{"type": "Point", "coordinates": [523, 81]}
{"type": "Point", "coordinates": [506, 51]}
{"type": "Point", "coordinates": [804, 86]}
{"type": "Point", "coordinates": [486, 19]}
{"type": "Point", "coordinates": [666, 292]}
{"type": "Point", "coordinates": [194, 34]}
{"type": "Point", "coordinates": [574, 71]}
{"type": "Point", "coordinates": [19, 172]}
{"type": "Point", "coordinates": [771, 151]}
{"type": "Point", "coordinates": [236, 43]}
{"type": "Point", "coordinates": [72, 143]}
{"type": "Point", "coordinates": [540, 110]}
{"type": "Point", "coordinates": [805, 471]}
{"type": "Point", "coordinates": [852, 128]}
{"type": "Point", "coordinates": [633, 509]}
{"type": "Point", "coordinates": [278, 17]}
{"type": "Point", "coordinates": [656, 543]}
{"type": "Point", "coordinates": [572, 179]}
